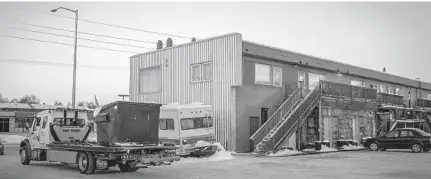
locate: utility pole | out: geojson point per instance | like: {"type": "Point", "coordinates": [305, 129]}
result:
{"type": "Point", "coordinates": [74, 54]}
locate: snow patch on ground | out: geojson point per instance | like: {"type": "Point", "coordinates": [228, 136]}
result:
{"type": "Point", "coordinates": [12, 139]}
{"type": "Point", "coordinates": [352, 147]}
{"type": "Point", "coordinates": [285, 152]}
{"type": "Point", "coordinates": [220, 155]}
{"type": "Point", "coordinates": [327, 149]}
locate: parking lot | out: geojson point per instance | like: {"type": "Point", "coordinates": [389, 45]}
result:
{"type": "Point", "coordinates": [357, 164]}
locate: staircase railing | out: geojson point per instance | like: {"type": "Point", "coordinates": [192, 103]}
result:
{"type": "Point", "coordinates": [292, 120]}
{"type": "Point", "coordinates": [276, 117]}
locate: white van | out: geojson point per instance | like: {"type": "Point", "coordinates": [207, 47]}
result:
{"type": "Point", "coordinates": [183, 125]}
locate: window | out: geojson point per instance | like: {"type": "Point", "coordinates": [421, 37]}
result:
{"type": "Point", "coordinates": [262, 74]}
{"type": "Point", "coordinates": [406, 134]}
{"type": "Point", "coordinates": [393, 134]}
{"type": "Point", "coordinates": [429, 96]}
{"type": "Point", "coordinates": [373, 86]}
{"type": "Point", "coordinates": [196, 123]}
{"type": "Point", "coordinates": [71, 122]}
{"type": "Point", "coordinates": [45, 120]}
{"type": "Point", "coordinates": [150, 80]}
{"type": "Point", "coordinates": [398, 91]}
{"type": "Point", "coordinates": [207, 69]}
{"type": "Point", "coordinates": [313, 80]}
{"type": "Point", "coordinates": [277, 74]}
{"type": "Point", "coordinates": [166, 124]}
{"type": "Point", "coordinates": [36, 123]}
{"type": "Point", "coordinates": [357, 83]}
{"type": "Point", "coordinates": [301, 78]}
{"type": "Point", "coordinates": [384, 89]}
{"type": "Point", "coordinates": [196, 72]}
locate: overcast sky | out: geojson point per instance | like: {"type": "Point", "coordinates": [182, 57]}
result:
{"type": "Point", "coordinates": [372, 35]}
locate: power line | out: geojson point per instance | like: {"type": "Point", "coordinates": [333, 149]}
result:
{"type": "Point", "coordinates": [79, 32]}
{"type": "Point", "coordinates": [101, 23]}
{"type": "Point", "coordinates": [60, 43]}
{"type": "Point", "coordinates": [47, 33]}
{"type": "Point", "coordinates": [33, 62]}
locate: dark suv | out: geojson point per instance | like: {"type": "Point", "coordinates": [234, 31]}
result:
{"type": "Point", "coordinates": [406, 138]}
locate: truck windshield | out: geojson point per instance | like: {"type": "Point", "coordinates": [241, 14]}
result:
{"type": "Point", "coordinates": [69, 122]}
{"type": "Point", "coordinates": [196, 123]}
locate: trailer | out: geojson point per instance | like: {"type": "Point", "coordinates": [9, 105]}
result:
{"type": "Point", "coordinates": [127, 137]}
{"type": "Point", "coordinates": [189, 127]}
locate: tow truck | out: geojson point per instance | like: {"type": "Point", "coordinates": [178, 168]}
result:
{"type": "Point", "coordinates": [127, 137]}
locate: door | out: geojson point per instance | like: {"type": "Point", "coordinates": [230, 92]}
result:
{"type": "Point", "coordinates": [44, 131]}
{"type": "Point", "coordinates": [264, 115]}
{"type": "Point", "coordinates": [254, 126]}
{"type": "Point", "coordinates": [404, 140]}
{"type": "Point", "coordinates": [34, 134]}
{"type": "Point", "coordinates": [4, 124]}
{"type": "Point", "coordinates": [388, 141]}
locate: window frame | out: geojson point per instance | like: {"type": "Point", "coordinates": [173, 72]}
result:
{"type": "Point", "coordinates": [166, 124]}
{"type": "Point", "coordinates": [159, 67]}
{"type": "Point", "coordinates": [192, 72]}
{"type": "Point", "coordinates": [36, 123]}
{"type": "Point", "coordinates": [203, 71]}
{"type": "Point", "coordinates": [382, 89]}
{"type": "Point", "coordinates": [269, 74]}
{"type": "Point", "coordinates": [280, 76]}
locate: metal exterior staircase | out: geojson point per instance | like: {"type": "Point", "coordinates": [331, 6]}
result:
{"type": "Point", "coordinates": [284, 122]}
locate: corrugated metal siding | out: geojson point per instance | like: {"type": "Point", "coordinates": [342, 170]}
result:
{"type": "Point", "coordinates": [226, 56]}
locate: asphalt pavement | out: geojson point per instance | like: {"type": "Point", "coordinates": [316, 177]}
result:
{"type": "Point", "coordinates": [356, 164]}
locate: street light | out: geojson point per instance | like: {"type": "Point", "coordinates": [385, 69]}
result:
{"type": "Point", "coordinates": [75, 51]}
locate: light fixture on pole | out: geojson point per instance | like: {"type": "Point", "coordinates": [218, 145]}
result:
{"type": "Point", "coordinates": [75, 52]}
{"type": "Point", "coordinates": [123, 95]}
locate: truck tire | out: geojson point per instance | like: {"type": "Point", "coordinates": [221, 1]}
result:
{"type": "Point", "coordinates": [24, 154]}
{"type": "Point", "coordinates": [127, 168]}
{"type": "Point", "coordinates": [86, 163]}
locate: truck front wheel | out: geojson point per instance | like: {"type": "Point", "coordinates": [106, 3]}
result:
{"type": "Point", "coordinates": [86, 163]}
{"type": "Point", "coordinates": [24, 154]}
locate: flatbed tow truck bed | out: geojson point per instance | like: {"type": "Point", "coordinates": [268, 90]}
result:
{"type": "Point", "coordinates": [99, 148]}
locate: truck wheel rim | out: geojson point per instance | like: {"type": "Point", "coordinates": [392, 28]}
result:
{"type": "Point", "coordinates": [373, 146]}
{"type": "Point", "coordinates": [416, 148]}
{"type": "Point", "coordinates": [23, 155]}
{"type": "Point", "coordinates": [83, 162]}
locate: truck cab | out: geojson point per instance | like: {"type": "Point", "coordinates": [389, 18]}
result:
{"type": "Point", "coordinates": [57, 126]}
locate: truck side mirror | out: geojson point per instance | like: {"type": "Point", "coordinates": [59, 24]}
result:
{"type": "Point", "coordinates": [103, 118]}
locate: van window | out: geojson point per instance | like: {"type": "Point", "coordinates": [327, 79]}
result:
{"type": "Point", "coordinates": [196, 123]}
{"type": "Point", "coordinates": [166, 124]}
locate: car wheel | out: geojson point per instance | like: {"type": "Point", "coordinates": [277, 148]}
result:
{"type": "Point", "coordinates": [373, 146]}
{"type": "Point", "coordinates": [416, 148]}
{"type": "Point", "coordinates": [24, 154]}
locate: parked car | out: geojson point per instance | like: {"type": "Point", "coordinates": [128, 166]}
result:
{"type": "Point", "coordinates": [1, 146]}
{"type": "Point", "coordinates": [403, 138]}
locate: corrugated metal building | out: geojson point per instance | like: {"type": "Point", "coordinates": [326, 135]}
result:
{"type": "Point", "coordinates": [243, 81]}
{"type": "Point", "coordinates": [164, 76]}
